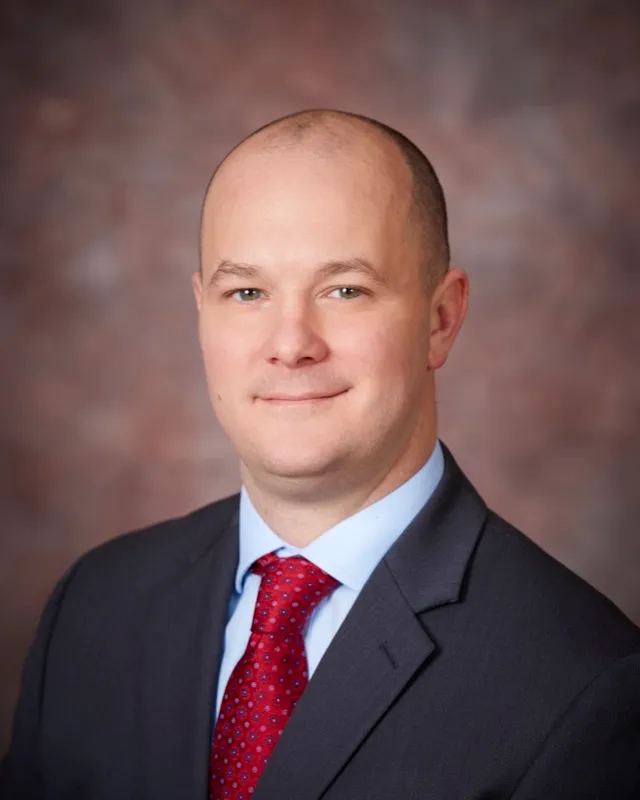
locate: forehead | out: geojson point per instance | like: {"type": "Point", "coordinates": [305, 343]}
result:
{"type": "Point", "coordinates": [293, 204]}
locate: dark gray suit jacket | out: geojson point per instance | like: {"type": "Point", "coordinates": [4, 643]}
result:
{"type": "Point", "coordinates": [472, 665]}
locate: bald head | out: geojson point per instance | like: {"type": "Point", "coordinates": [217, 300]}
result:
{"type": "Point", "coordinates": [400, 169]}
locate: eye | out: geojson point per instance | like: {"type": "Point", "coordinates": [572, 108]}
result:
{"type": "Point", "coordinates": [348, 292]}
{"type": "Point", "coordinates": [246, 295]}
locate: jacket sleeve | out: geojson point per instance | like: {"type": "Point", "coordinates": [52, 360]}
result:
{"type": "Point", "coordinates": [593, 751]}
{"type": "Point", "coordinates": [19, 772]}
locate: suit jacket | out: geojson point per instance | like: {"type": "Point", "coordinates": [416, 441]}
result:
{"type": "Point", "coordinates": [472, 667]}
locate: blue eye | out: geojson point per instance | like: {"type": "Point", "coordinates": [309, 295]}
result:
{"type": "Point", "coordinates": [246, 295]}
{"type": "Point", "coordinates": [348, 292]}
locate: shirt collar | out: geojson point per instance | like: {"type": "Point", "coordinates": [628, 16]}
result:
{"type": "Point", "coordinates": [350, 550]}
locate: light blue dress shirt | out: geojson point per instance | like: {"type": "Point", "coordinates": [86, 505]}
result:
{"type": "Point", "coordinates": [349, 552]}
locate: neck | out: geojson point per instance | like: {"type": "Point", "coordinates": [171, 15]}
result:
{"type": "Point", "coordinates": [301, 516]}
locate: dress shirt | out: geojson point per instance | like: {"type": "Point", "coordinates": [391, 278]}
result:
{"type": "Point", "coordinates": [349, 552]}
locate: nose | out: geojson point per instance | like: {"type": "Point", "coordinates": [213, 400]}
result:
{"type": "Point", "coordinates": [295, 338]}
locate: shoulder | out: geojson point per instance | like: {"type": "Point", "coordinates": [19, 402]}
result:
{"type": "Point", "coordinates": [142, 557]}
{"type": "Point", "coordinates": [535, 596]}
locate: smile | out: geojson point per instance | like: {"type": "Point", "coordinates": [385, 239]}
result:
{"type": "Point", "coordinates": [307, 397]}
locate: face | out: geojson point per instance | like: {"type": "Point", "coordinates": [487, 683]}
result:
{"type": "Point", "coordinates": [315, 325]}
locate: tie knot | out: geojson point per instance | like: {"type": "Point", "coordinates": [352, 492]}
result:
{"type": "Point", "coordinates": [289, 591]}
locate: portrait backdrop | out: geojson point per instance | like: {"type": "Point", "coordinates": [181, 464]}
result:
{"type": "Point", "coordinates": [114, 115]}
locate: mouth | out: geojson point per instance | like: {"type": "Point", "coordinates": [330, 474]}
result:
{"type": "Point", "coordinates": [295, 399]}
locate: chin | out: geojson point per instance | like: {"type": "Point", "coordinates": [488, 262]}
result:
{"type": "Point", "coordinates": [297, 465]}
{"type": "Point", "coordinates": [296, 469]}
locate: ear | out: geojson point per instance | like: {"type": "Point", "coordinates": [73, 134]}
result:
{"type": "Point", "coordinates": [196, 285]}
{"type": "Point", "coordinates": [448, 310]}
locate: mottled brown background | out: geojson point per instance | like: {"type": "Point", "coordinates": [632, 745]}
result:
{"type": "Point", "coordinates": [113, 116]}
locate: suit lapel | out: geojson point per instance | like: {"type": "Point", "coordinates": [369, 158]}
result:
{"type": "Point", "coordinates": [182, 641]}
{"type": "Point", "coordinates": [378, 648]}
{"type": "Point", "coordinates": [381, 644]}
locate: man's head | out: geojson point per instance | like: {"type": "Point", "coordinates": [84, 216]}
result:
{"type": "Point", "coordinates": [329, 130]}
{"type": "Point", "coordinates": [326, 303]}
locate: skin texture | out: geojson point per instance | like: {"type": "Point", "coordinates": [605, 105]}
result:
{"type": "Point", "coordinates": [287, 312]}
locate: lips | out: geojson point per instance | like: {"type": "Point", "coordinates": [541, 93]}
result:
{"type": "Point", "coordinates": [299, 398]}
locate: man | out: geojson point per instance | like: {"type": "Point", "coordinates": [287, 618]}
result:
{"type": "Point", "coordinates": [356, 624]}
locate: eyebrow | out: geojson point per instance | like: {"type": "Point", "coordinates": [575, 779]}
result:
{"type": "Point", "coordinates": [327, 269]}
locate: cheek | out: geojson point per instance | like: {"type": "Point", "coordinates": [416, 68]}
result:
{"type": "Point", "coordinates": [383, 355]}
{"type": "Point", "coordinates": [391, 368]}
{"type": "Point", "coordinates": [225, 356]}
{"type": "Point", "coordinates": [370, 364]}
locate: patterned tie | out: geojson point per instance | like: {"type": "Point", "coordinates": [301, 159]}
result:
{"type": "Point", "coordinates": [269, 679]}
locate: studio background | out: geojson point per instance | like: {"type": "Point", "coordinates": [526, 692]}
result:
{"type": "Point", "coordinates": [114, 114]}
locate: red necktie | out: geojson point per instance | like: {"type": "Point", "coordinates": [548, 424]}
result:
{"type": "Point", "coordinates": [269, 679]}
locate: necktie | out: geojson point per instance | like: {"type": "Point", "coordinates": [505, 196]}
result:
{"type": "Point", "coordinates": [267, 682]}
